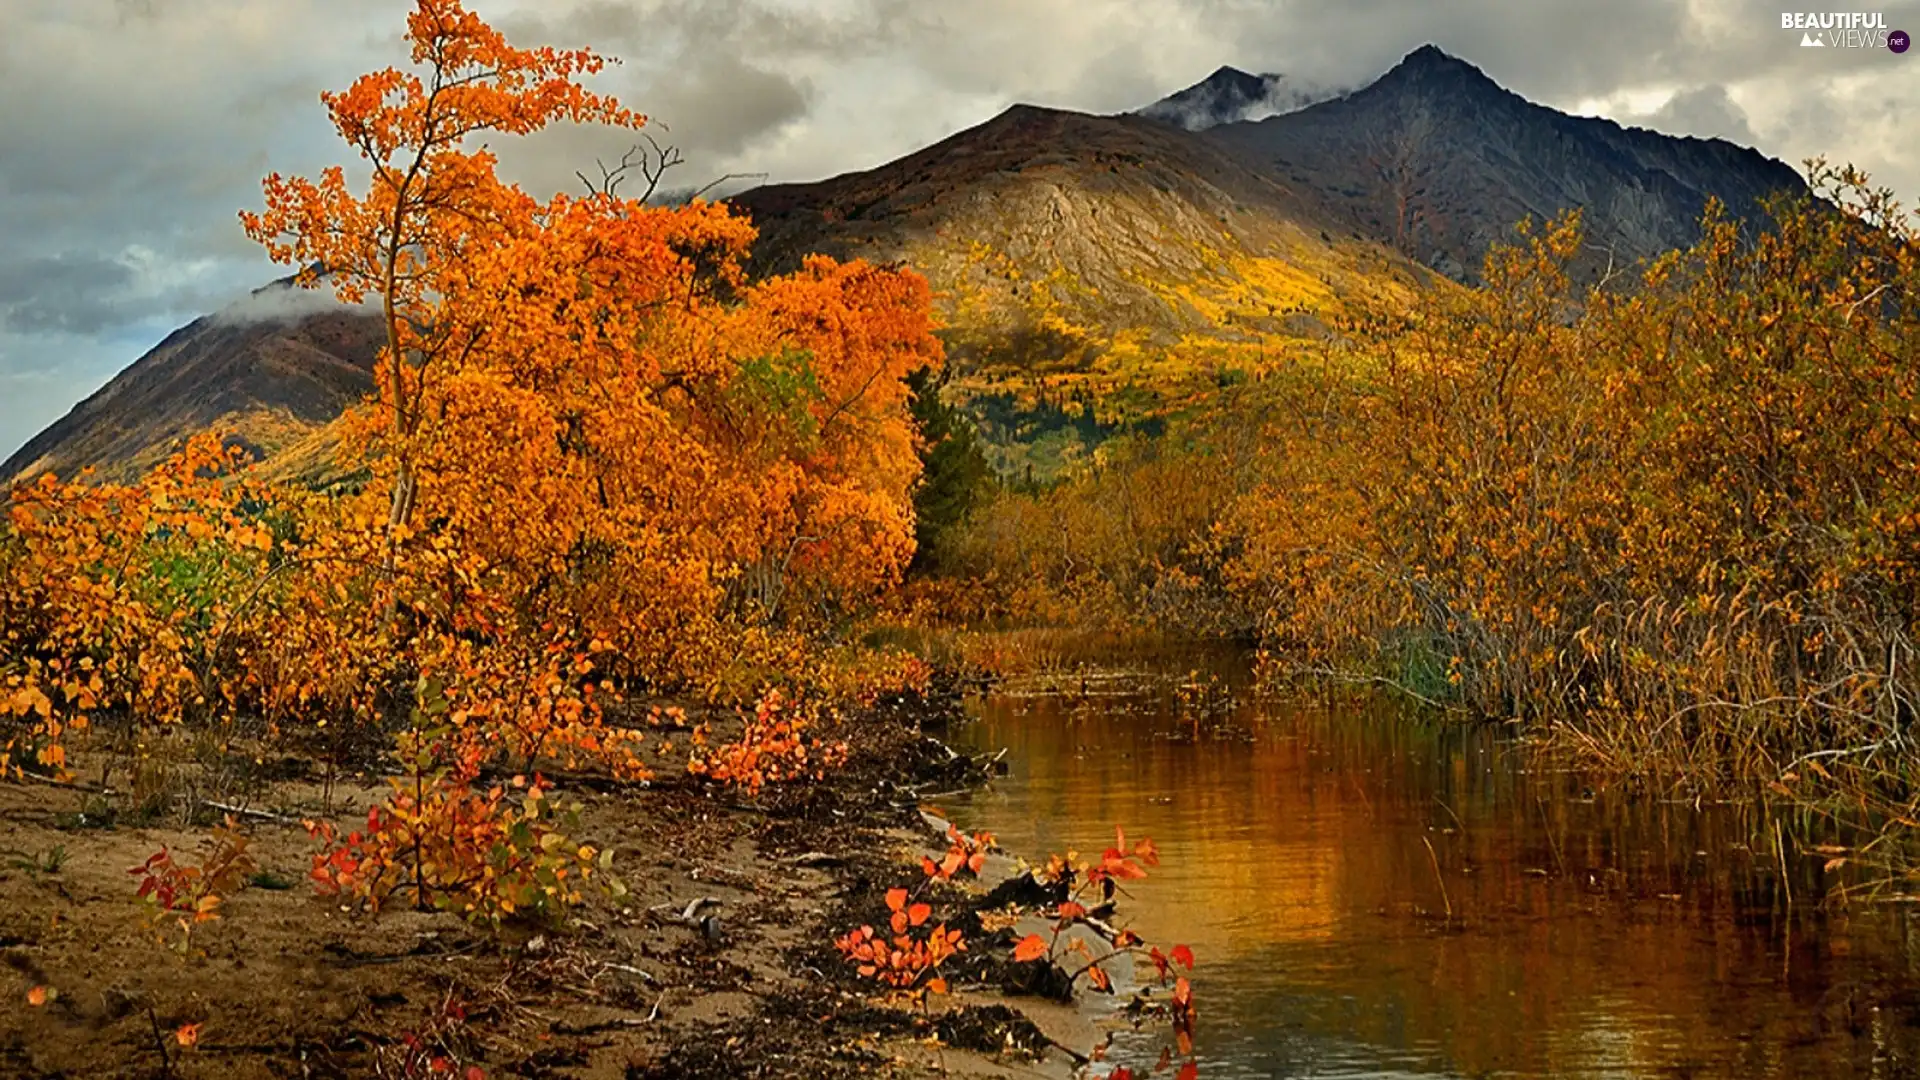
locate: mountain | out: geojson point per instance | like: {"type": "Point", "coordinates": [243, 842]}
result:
{"type": "Point", "coordinates": [271, 368]}
{"type": "Point", "coordinates": [1440, 161]}
{"type": "Point", "coordinates": [1095, 272]}
{"type": "Point", "coordinates": [1229, 95]}
{"type": "Point", "coordinates": [1042, 220]}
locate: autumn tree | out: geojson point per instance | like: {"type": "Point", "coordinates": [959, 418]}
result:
{"type": "Point", "coordinates": [432, 199]}
{"type": "Point", "coordinates": [585, 397]}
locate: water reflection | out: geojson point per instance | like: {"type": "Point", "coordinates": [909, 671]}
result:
{"type": "Point", "coordinates": [1372, 896]}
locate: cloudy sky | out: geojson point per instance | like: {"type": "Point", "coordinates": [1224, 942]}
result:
{"type": "Point", "coordinates": [132, 131]}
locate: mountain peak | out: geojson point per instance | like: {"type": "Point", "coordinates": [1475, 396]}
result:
{"type": "Point", "coordinates": [1431, 54]}
{"type": "Point", "coordinates": [1430, 63]}
{"type": "Point", "coordinates": [1228, 77]}
{"type": "Point", "coordinates": [1230, 95]}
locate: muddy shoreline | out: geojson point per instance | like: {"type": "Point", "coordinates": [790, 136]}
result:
{"type": "Point", "coordinates": [287, 983]}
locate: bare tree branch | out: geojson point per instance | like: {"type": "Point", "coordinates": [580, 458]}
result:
{"type": "Point", "coordinates": [651, 161]}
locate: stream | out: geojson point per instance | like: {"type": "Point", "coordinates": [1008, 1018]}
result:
{"type": "Point", "coordinates": [1373, 895]}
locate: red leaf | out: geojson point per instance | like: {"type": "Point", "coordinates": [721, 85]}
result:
{"type": "Point", "coordinates": [1159, 962]}
{"type": "Point", "coordinates": [1183, 956]}
{"type": "Point", "coordinates": [1189, 1071]}
{"type": "Point", "coordinates": [1031, 947]}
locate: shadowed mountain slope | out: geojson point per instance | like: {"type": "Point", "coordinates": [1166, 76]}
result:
{"type": "Point", "coordinates": [1438, 160]}
{"type": "Point", "coordinates": [272, 380]}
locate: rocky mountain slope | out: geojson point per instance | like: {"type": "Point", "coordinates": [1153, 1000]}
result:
{"type": "Point", "coordinates": [273, 380]}
{"type": "Point", "coordinates": [1041, 225]}
{"type": "Point", "coordinates": [1438, 160]}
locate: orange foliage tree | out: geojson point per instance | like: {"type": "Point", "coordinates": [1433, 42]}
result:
{"type": "Point", "coordinates": [584, 395]}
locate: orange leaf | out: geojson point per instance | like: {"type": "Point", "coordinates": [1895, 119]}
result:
{"type": "Point", "coordinates": [918, 913]}
{"type": "Point", "coordinates": [37, 996]}
{"type": "Point", "coordinates": [187, 1035]}
{"type": "Point", "coordinates": [1031, 947]}
{"type": "Point", "coordinates": [896, 899]}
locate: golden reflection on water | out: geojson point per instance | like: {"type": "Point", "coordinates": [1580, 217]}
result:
{"type": "Point", "coordinates": [1589, 935]}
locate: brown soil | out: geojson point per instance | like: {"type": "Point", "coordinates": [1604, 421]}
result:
{"type": "Point", "coordinates": [290, 984]}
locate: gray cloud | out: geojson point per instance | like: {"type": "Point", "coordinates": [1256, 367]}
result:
{"type": "Point", "coordinates": [131, 131]}
{"type": "Point", "coordinates": [1706, 111]}
{"type": "Point", "coordinates": [74, 294]}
